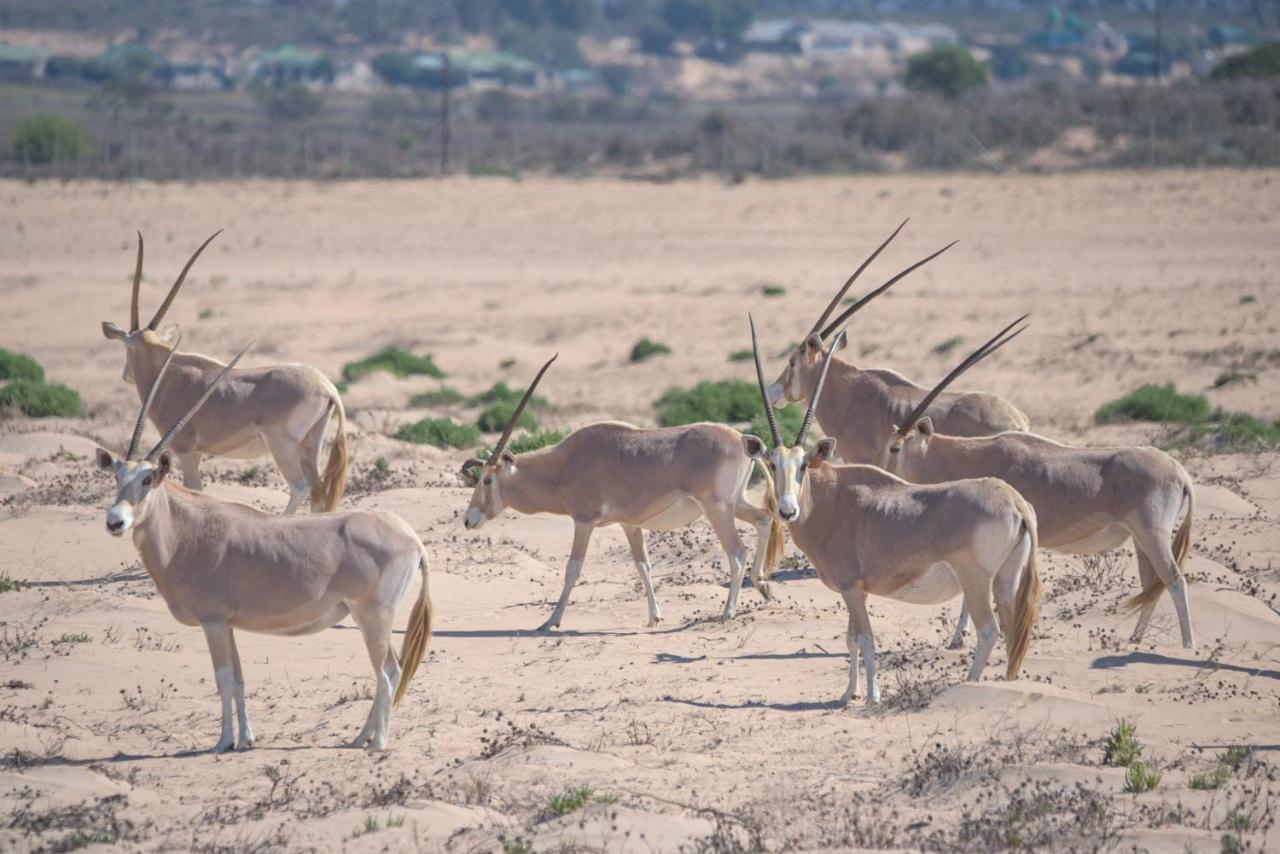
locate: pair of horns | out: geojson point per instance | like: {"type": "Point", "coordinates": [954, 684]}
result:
{"type": "Point", "coordinates": [155, 452]}
{"type": "Point", "coordinates": [515, 419]}
{"type": "Point", "coordinates": [824, 331]}
{"type": "Point", "coordinates": [173, 292]}
{"type": "Point", "coordinates": [813, 399]}
{"type": "Point", "coordinates": [1004, 336]}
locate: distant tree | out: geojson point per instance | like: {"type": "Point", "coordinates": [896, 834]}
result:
{"type": "Point", "coordinates": [1261, 62]}
{"type": "Point", "coordinates": [574, 15]}
{"type": "Point", "coordinates": [293, 103]}
{"type": "Point", "coordinates": [617, 78]}
{"type": "Point", "coordinates": [396, 68]}
{"type": "Point", "coordinates": [50, 138]}
{"type": "Point", "coordinates": [656, 38]}
{"type": "Point", "coordinates": [1009, 62]}
{"type": "Point", "coordinates": [945, 69]}
{"type": "Point", "coordinates": [722, 20]}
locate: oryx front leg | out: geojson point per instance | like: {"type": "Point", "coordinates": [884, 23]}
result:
{"type": "Point", "coordinates": [222, 651]}
{"type": "Point", "coordinates": [572, 569]}
{"type": "Point", "coordinates": [720, 514]}
{"type": "Point", "coordinates": [859, 639]}
{"type": "Point", "coordinates": [763, 523]}
{"type": "Point", "coordinates": [639, 554]}
{"type": "Point", "coordinates": [246, 739]}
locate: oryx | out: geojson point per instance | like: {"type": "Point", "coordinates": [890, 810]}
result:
{"type": "Point", "coordinates": [869, 532]}
{"type": "Point", "coordinates": [281, 409]}
{"type": "Point", "coordinates": [860, 404]}
{"type": "Point", "coordinates": [1088, 500]}
{"type": "Point", "coordinates": [611, 473]}
{"type": "Point", "coordinates": [225, 566]}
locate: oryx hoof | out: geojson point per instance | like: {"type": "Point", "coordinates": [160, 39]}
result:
{"type": "Point", "coordinates": [223, 745]}
{"type": "Point", "coordinates": [728, 614]}
{"type": "Point", "coordinates": [765, 590]}
{"type": "Point", "coordinates": [846, 698]}
{"type": "Point", "coordinates": [956, 642]}
{"type": "Point", "coordinates": [244, 744]}
{"type": "Point", "coordinates": [547, 626]}
{"type": "Point", "coordinates": [655, 621]}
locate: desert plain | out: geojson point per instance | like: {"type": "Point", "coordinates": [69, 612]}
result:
{"type": "Point", "coordinates": [696, 735]}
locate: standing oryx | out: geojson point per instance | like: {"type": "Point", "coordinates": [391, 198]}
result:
{"type": "Point", "coordinates": [867, 532]}
{"type": "Point", "coordinates": [613, 473]}
{"type": "Point", "coordinates": [861, 404]}
{"type": "Point", "coordinates": [1088, 500]}
{"type": "Point", "coordinates": [225, 566]}
{"type": "Point", "coordinates": [282, 410]}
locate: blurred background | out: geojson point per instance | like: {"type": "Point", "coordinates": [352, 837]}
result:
{"type": "Point", "coordinates": [651, 89]}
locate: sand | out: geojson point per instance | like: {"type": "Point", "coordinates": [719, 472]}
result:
{"type": "Point", "coordinates": [698, 734]}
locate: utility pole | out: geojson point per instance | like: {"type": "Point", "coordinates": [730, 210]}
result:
{"type": "Point", "coordinates": [1159, 12]}
{"type": "Point", "coordinates": [444, 115]}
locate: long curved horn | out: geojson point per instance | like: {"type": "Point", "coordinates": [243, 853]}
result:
{"type": "Point", "coordinates": [764, 391]}
{"type": "Point", "coordinates": [974, 358]}
{"type": "Point", "coordinates": [137, 282]}
{"type": "Point", "coordinates": [182, 422]}
{"type": "Point", "coordinates": [853, 309]}
{"type": "Point", "coordinates": [146, 404]}
{"type": "Point", "coordinates": [822, 318]}
{"type": "Point", "coordinates": [515, 417]}
{"type": "Point", "coordinates": [173, 291]}
{"type": "Point", "coordinates": [817, 390]}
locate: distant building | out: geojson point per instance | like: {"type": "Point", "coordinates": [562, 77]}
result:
{"type": "Point", "coordinates": [289, 64]}
{"type": "Point", "coordinates": [834, 38]}
{"type": "Point", "coordinates": [19, 62]}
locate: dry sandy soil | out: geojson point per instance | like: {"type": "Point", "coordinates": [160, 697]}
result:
{"type": "Point", "coordinates": [698, 734]}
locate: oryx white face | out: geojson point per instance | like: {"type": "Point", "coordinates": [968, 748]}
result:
{"type": "Point", "coordinates": [789, 468]}
{"type": "Point", "coordinates": [486, 498]}
{"type": "Point", "coordinates": [902, 454]}
{"type": "Point", "coordinates": [800, 376]}
{"type": "Point", "coordinates": [136, 481]}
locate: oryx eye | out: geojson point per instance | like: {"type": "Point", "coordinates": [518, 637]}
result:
{"type": "Point", "coordinates": [146, 481]}
{"type": "Point", "coordinates": [894, 449]}
{"type": "Point", "coordinates": [488, 481]}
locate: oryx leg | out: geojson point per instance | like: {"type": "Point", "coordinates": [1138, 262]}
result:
{"type": "Point", "coordinates": [859, 639]}
{"type": "Point", "coordinates": [242, 713]}
{"type": "Point", "coordinates": [762, 522]}
{"type": "Point", "coordinates": [309, 455]}
{"type": "Point", "coordinates": [962, 625]}
{"type": "Point", "coordinates": [189, 461]}
{"type": "Point", "coordinates": [639, 554]}
{"type": "Point", "coordinates": [1157, 543]}
{"type": "Point", "coordinates": [222, 651]}
{"type": "Point", "coordinates": [290, 457]}
{"type": "Point", "coordinates": [375, 626]}
{"type": "Point", "coordinates": [572, 569]}
{"type": "Point", "coordinates": [1147, 575]}
{"type": "Point", "coordinates": [977, 596]}
{"type": "Point", "coordinates": [720, 515]}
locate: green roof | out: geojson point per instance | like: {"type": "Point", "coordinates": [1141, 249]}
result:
{"type": "Point", "coordinates": [20, 53]}
{"type": "Point", "coordinates": [287, 54]}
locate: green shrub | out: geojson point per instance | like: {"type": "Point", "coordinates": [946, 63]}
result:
{"type": "Point", "coordinates": [527, 442]}
{"type": "Point", "coordinates": [946, 69]}
{"type": "Point", "coordinates": [443, 396]}
{"type": "Point", "coordinates": [1155, 403]}
{"type": "Point", "coordinates": [1122, 748]}
{"type": "Point", "coordinates": [1237, 757]}
{"type": "Point", "coordinates": [1216, 780]}
{"type": "Point", "coordinates": [1140, 778]}
{"type": "Point", "coordinates": [9, 584]}
{"type": "Point", "coordinates": [572, 800]}
{"type": "Point", "coordinates": [49, 138]}
{"type": "Point", "coordinates": [789, 418]}
{"type": "Point", "coordinates": [500, 392]}
{"type": "Point", "coordinates": [947, 346]}
{"type": "Point", "coordinates": [493, 419]}
{"type": "Point", "coordinates": [740, 356]}
{"type": "Point", "coordinates": [440, 432]}
{"type": "Point", "coordinates": [15, 366]}
{"type": "Point", "coordinates": [726, 401]}
{"type": "Point", "coordinates": [40, 400]}
{"type": "Point", "coordinates": [393, 360]}
{"type": "Point", "coordinates": [773, 290]}
{"type": "Point", "coordinates": [645, 348]}
{"type": "Point", "coordinates": [1230, 431]}
{"type": "Point", "coordinates": [1260, 62]}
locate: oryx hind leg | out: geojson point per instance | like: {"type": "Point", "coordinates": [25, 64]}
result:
{"type": "Point", "coordinates": [762, 522]}
{"type": "Point", "coordinates": [1147, 576]}
{"type": "Point", "coordinates": [291, 457]}
{"type": "Point", "coordinates": [1156, 543]}
{"type": "Point", "coordinates": [374, 621]}
{"type": "Point", "coordinates": [962, 626]}
{"type": "Point", "coordinates": [640, 555]}
{"type": "Point", "coordinates": [977, 588]}
{"type": "Point", "coordinates": [1004, 587]}
{"type": "Point", "coordinates": [721, 514]}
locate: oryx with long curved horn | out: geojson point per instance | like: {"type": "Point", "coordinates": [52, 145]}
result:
{"type": "Point", "coordinates": [225, 566]}
{"type": "Point", "coordinates": [1088, 500]}
{"type": "Point", "coordinates": [867, 532]}
{"type": "Point", "coordinates": [861, 403]}
{"type": "Point", "coordinates": [611, 473]}
{"type": "Point", "coordinates": [282, 410]}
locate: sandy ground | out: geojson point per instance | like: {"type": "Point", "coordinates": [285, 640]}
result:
{"type": "Point", "coordinates": [697, 734]}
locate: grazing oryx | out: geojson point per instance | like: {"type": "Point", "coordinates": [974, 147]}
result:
{"type": "Point", "coordinates": [225, 566]}
{"type": "Point", "coordinates": [867, 532]}
{"type": "Point", "coordinates": [861, 404]}
{"type": "Point", "coordinates": [1088, 500]}
{"type": "Point", "coordinates": [613, 473]}
{"type": "Point", "coordinates": [282, 410]}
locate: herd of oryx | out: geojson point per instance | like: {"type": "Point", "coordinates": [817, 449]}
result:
{"type": "Point", "coordinates": [915, 494]}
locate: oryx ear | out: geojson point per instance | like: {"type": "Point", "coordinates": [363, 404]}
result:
{"type": "Point", "coordinates": [755, 447]}
{"type": "Point", "coordinates": [924, 426]}
{"type": "Point", "coordinates": [812, 347]}
{"type": "Point", "coordinates": [841, 342]}
{"type": "Point", "coordinates": [825, 451]}
{"type": "Point", "coordinates": [105, 460]}
{"type": "Point", "coordinates": [113, 332]}
{"type": "Point", "coordinates": [508, 458]}
{"type": "Point", "coordinates": [164, 465]}
{"type": "Point", "coordinates": [169, 333]}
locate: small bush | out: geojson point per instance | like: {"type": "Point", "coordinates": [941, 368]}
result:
{"type": "Point", "coordinates": [1237, 757]}
{"type": "Point", "coordinates": [946, 69]}
{"type": "Point", "coordinates": [49, 138]}
{"type": "Point", "coordinates": [947, 346]}
{"type": "Point", "coordinates": [9, 584]}
{"type": "Point", "coordinates": [726, 401]}
{"type": "Point", "coordinates": [1260, 63]}
{"type": "Point", "coordinates": [1216, 780]}
{"type": "Point", "coordinates": [15, 366]}
{"type": "Point", "coordinates": [1140, 778]}
{"type": "Point", "coordinates": [395, 361]}
{"type": "Point", "coordinates": [773, 290]}
{"type": "Point", "coordinates": [1233, 376]}
{"type": "Point", "coordinates": [645, 348]}
{"type": "Point", "coordinates": [1155, 403]}
{"type": "Point", "coordinates": [502, 393]}
{"type": "Point", "coordinates": [443, 396]}
{"type": "Point", "coordinates": [1122, 748]}
{"type": "Point", "coordinates": [572, 800]}
{"type": "Point", "coordinates": [789, 418]}
{"type": "Point", "coordinates": [494, 419]}
{"type": "Point", "coordinates": [440, 432]}
{"type": "Point", "coordinates": [740, 356]}
{"type": "Point", "coordinates": [40, 400]}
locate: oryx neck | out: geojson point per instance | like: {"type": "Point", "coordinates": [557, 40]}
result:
{"type": "Point", "coordinates": [533, 485]}
{"type": "Point", "coordinates": [155, 535]}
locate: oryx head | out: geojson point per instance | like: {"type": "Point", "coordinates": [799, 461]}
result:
{"type": "Point", "coordinates": [486, 498]}
{"type": "Point", "coordinates": [137, 478]}
{"type": "Point", "coordinates": [807, 361]}
{"type": "Point", "coordinates": [788, 466]}
{"type": "Point", "coordinates": [140, 339]}
{"type": "Point", "coordinates": [909, 443]}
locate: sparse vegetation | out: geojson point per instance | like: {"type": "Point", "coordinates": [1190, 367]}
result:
{"type": "Point", "coordinates": [572, 800]}
{"type": "Point", "coordinates": [948, 70]}
{"type": "Point", "coordinates": [947, 346]}
{"type": "Point", "coordinates": [1257, 63]}
{"type": "Point", "coordinates": [725, 401]}
{"type": "Point", "coordinates": [395, 361]}
{"type": "Point", "coordinates": [740, 356]}
{"type": "Point", "coordinates": [382, 466]}
{"type": "Point", "coordinates": [50, 138]}
{"type": "Point", "coordinates": [1140, 778]}
{"type": "Point", "coordinates": [37, 399]}
{"type": "Point", "coordinates": [16, 366]}
{"type": "Point", "coordinates": [1213, 780]}
{"type": "Point", "coordinates": [1231, 376]}
{"type": "Point", "coordinates": [1122, 748]}
{"type": "Point", "coordinates": [440, 432]}
{"type": "Point", "coordinates": [1160, 403]}
{"type": "Point", "coordinates": [773, 290]}
{"type": "Point", "coordinates": [443, 396]}
{"type": "Point", "coordinates": [9, 584]}
{"type": "Point", "coordinates": [1217, 430]}
{"type": "Point", "coordinates": [647, 348]}
{"type": "Point", "coordinates": [789, 418]}
{"type": "Point", "coordinates": [494, 418]}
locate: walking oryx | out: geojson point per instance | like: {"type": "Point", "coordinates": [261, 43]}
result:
{"type": "Point", "coordinates": [282, 410]}
{"type": "Point", "coordinates": [867, 532]}
{"type": "Point", "coordinates": [225, 566]}
{"type": "Point", "coordinates": [613, 473]}
{"type": "Point", "coordinates": [1088, 500]}
{"type": "Point", "coordinates": [862, 403]}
